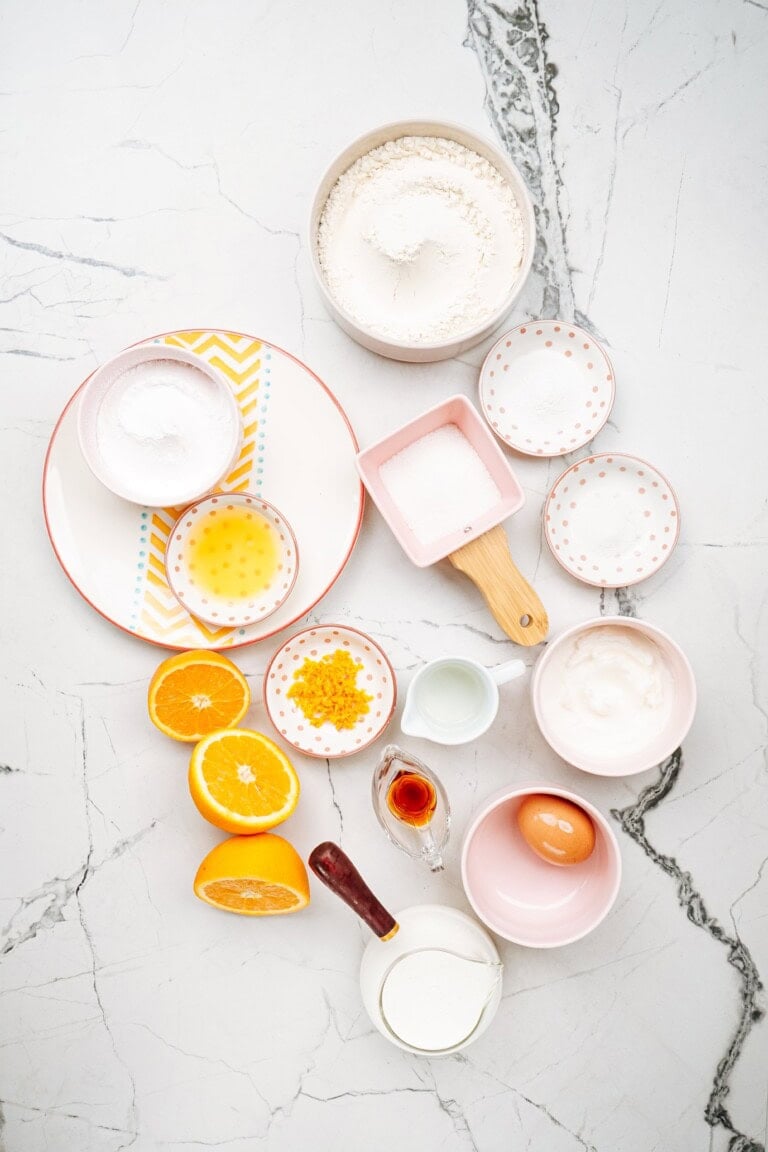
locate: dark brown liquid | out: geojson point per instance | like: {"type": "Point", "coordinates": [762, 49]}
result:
{"type": "Point", "coordinates": [412, 799]}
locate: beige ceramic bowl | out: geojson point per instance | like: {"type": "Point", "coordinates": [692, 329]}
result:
{"type": "Point", "coordinates": [422, 353]}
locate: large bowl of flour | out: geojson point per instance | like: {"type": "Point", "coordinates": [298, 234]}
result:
{"type": "Point", "coordinates": [421, 237]}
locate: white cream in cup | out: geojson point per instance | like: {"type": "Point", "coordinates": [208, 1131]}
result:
{"type": "Point", "coordinates": [453, 700]}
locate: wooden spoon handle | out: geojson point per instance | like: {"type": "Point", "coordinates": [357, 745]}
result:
{"type": "Point", "coordinates": [337, 872]}
{"type": "Point", "coordinates": [513, 602]}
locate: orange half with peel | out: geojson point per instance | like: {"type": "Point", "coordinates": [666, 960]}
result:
{"type": "Point", "coordinates": [195, 693]}
{"type": "Point", "coordinates": [255, 876]}
{"type": "Point", "coordinates": [242, 782]}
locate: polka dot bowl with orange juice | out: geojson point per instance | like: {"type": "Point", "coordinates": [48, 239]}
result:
{"type": "Point", "coordinates": [231, 559]}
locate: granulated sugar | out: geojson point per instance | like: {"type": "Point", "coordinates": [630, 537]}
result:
{"type": "Point", "coordinates": [439, 484]}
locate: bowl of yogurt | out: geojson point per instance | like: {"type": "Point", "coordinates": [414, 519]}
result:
{"type": "Point", "coordinates": [421, 238]}
{"type": "Point", "coordinates": [159, 426]}
{"type": "Point", "coordinates": [614, 696]}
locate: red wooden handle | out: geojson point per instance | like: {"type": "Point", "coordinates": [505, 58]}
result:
{"type": "Point", "coordinates": [338, 873]}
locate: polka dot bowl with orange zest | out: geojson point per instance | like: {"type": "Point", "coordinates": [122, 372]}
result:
{"type": "Point", "coordinates": [611, 520]}
{"type": "Point", "coordinates": [231, 559]}
{"type": "Point", "coordinates": [546, 388]}
{"type": "Point", "coordinates": [375, 680]}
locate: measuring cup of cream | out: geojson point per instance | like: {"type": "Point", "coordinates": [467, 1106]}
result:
{"type": "Point", "coordinates": [430, 979]}
{"type": "Point", "coordinates": [453, 700]}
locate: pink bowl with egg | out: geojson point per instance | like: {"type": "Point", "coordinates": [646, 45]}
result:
{"type": "Point", "coordinates": [522, 897]}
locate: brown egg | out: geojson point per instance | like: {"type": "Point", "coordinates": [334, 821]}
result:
{"type": "Point", "coordinates": [555, 829]}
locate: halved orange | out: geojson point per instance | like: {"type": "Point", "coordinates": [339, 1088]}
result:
{"type": "Point", "coordinates": [254, 875]}
{"type": "Point", "coordinates": [242, 782]}
{"type": "Point", "coordinates": [195, 693]}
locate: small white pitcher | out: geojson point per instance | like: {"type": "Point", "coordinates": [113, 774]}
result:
{"type": "Point", "coordinates": [453, 700]}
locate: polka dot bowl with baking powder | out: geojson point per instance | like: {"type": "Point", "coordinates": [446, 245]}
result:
{"type": "Point", "coordinates": [546, 388]}
{"type": "Point", "coordinates": [258, 599]}
{"type": "Point", "coordinates": [611, 520]}
{"type": "Point", "coordinates": [376, 677]}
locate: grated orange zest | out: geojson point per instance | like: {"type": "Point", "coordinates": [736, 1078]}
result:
{"type": "Point", "coordinates": [326, 691]}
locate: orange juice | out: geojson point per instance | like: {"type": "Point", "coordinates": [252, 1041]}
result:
{"type": "Point", "coordinates": [234, 553]}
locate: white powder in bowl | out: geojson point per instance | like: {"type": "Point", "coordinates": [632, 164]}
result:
{"type": "Point", "coordinates": [421, 240]}
{"type": "Point", "coordinates": [164, 431]}
{"type": "Point", "coordinates": [439, 484]}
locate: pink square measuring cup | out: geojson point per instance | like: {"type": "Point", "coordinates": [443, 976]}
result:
{"type": "Point", "coordinates": [479, 549]}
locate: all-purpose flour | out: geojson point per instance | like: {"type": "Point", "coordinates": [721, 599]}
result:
{"type": "Point", "coordinates": [421, 239]}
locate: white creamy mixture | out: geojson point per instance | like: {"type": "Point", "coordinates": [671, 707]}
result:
{"type": "Point", "coordinates": [433, 1000]}
{"type": "Point", "coordinates": [607, 691]}
{"type": "Point", "coordinates": [439, 484]}
{"type": "Point", "coordinates": [420, 239]}
{"type": "Point", "coordinates": [164, 428]}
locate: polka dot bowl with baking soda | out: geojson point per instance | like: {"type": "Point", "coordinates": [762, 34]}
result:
{"type": "Point", "coordinates": [546, 388]}
{"type": "Point", "coordinates": [330, 691]}
{"type": "Point", "coordinates": [611, 520]}
{"type": "Point", "coordinates": [231, 559]}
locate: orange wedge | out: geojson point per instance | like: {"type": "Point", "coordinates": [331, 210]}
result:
{"type": "Point", "coordinates": [196, 693]}
{"type": "Point", "coordinates": [255, 876]}
{"type": "Point", "coordinates": [242, 782]}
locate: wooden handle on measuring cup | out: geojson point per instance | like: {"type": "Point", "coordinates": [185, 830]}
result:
{"type": "Point", "coordinates": [338, 873]}
{"type": "Point", "coordinates": [513, 602]}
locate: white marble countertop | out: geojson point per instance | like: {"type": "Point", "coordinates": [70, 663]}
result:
{"type": "Point", "coordinates": [134, 1017]}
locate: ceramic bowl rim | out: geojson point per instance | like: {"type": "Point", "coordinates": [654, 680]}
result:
{"type": "Point", "coordinates": [142, 353]}
{"type": "Point", "coordinates": [614, 456]}
{"type": "Point", "coordinates": [651, 632]}
{"type": "Point", "coordinates": [230, 496]}
{"type": "Point", "coordinates": [503, 796]}
{"type": "Point", "coordinates": [393, 130]}
{"type": "Point", "coordinates": [609, 407]}
{"type": "Point", "coordinates": [385, 720]}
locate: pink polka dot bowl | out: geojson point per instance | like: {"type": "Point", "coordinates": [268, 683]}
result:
{"type": "Point", "coordinates": [546, 388]}
{"type": "Point", "coordinates": [602, 691]}
{"type": "Point", "coordinates": [375, 676]}
{"type": "Point", "coordinates": [231, 559]}
{"type": "Point", "coordinates": [611, 520]}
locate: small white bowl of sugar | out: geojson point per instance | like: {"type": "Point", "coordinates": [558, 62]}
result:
{"type": "Point", "coordinates": [159, 426]}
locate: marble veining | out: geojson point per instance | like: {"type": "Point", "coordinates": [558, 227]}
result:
{"type": "Point", "coordinates": [159, 162]}
{"type": "Point", "coordinates": [632, 821]}
{"type": "Point", "coordinates": [511, 45]}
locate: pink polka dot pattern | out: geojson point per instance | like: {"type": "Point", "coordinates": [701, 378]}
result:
{"type": "Point", "coordinates": [376, 677]}
{"type": "Point", "coordinates": [620, 507]}
{"type": "Point", "coordinates": [575, 397]}
{"type": "Point", "coordinates": [226, 611]}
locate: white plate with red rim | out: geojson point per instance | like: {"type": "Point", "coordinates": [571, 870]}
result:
{"type": "Point", "coordinates": [375, 676]}
{"type": "Point", "coordinates": [611, 520]}
{"type": "Point", "coordinates": [253, 604]}
{"type": "Point", "coordinates": [298, 450]}
{"type": "Point", "coordinates": [546, 388]}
